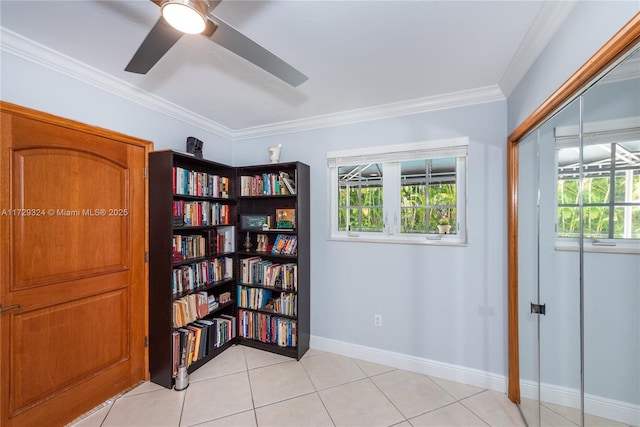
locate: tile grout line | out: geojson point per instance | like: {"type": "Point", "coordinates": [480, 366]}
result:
{"type": "Point", "coordinates": [390, 401]}
{"type": "Point", "coordinates": [253, 402]}
{"type": "Point", "coordinates": [555, 412]}
{"type": "Point", "coordinates": [184, 399]}
{"type": "Point", "coordinates": [471, 410]}
{"type": "Point", "coordinates": [317, 392]}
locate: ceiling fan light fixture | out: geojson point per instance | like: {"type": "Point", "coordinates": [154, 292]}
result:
{"type": "Point", "coordinates": [188, 16]}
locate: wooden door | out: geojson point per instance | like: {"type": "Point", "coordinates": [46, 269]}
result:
{"type": "Point", "coordinates": [73, 239]}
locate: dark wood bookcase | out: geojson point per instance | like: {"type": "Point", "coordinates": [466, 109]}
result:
{"type": "Point", "coordinates": [163, 226]}
{"type": "Point", "coordinates": [267, 205]}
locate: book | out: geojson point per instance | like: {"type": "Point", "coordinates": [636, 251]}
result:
{"type": "Point", "coordinates": [267, 328]}
{"type": "Point", "coordinates": [176, 352]}
{"type": "Point", "coordinates": [289, 184]}
{"type": "Point", "coordinates": [192, 183]}
{"type": "Point", "coordinates": [267, 184]}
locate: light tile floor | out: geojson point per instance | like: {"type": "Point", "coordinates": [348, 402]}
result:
{"type": "Point", "coordinates": [555, 415]}
{"type": "Point", "coordinates": [248, 387]}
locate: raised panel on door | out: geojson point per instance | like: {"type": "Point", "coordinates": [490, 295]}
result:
{"type": "Point", "coordinates": [69, 349]}
{"type": "Point", "coordinates": [82, 230]}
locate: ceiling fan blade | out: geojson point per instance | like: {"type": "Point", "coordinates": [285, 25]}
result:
{"type": "Point", "coordinates": [230, 38]}
{"type": "Point", "coordinates": [159, 40]}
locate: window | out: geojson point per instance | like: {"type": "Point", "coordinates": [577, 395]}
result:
{"type": "Point", "coordinates": [412, 193]}
{"type": "Point", "coordinates": [610, 188]}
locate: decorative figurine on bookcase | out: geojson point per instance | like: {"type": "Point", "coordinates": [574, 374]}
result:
{"type": "Point", "coordinates": [247, 242]}
{"type": "Point", "coordinates": [263, 241]}
{"type": "Point", "coordinates": [274, 153]}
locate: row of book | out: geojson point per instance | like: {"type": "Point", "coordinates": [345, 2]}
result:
{"type": "Point", "coordinates": [269, 184]}
{"type": "Point", "coordinates": [188, 246]}
{"type": "Point", "coordinates": [191, 277]}
{"type": "Point", "coordinates": [258, 271]}
{"type": "Point", "coordinates": [194, 214]}
{"type": "Point", "coordinates": [263, 299]}
{"type": "Point", "coordinates": [196, 340]}
{"type": "Point", "coordinates": [213, 242]}
{"type": "Point", "coordinates": [192, 183]}
{"type": "Point", "coordinates": [285, 244]}
{"type": "Point", "coordinates": [267, 328]}
{"type": "Point", "coordinates": [190, 308]}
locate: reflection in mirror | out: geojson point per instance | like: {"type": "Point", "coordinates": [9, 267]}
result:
{"type": "Point", "coordinates": [528, 276]}
{"type": "Point", "coordinates": [610, 164]}
{"type": "Point", "coordinates": [611, 215]}
{"type": "Point", "coordinates": [579, 254]}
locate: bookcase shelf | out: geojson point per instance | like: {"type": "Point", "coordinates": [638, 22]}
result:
{"type": "Point", "coordinates": [268, 255]}
{"type": "Point", "coordinates": [200, 198]}
{"type": "Point", "coordinates": [271, 313]}
{"type": "Point", "coordinates": [223, 242]}
{"type": "Point", "coordinates": [203, 258]}
{"type": "Point", "coordinates": [271, 288]}
{"type": "Point", "coordinates": [196, 228]}
{"type": "Point", "coordinates": [207, 287]}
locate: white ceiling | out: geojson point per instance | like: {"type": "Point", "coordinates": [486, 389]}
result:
{"type": "Point", "coordinates": [364, 59]}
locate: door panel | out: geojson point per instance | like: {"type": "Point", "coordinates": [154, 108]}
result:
{"type": "Point", "coordinates": [550, 357]}
{"type": "Point", "coordinates": [72, 330]}
{"type": "Point", "coordinates": [559, 286]}
{"type": "Point", "coordinates": [528, 277]}
{"type": "Point", "coordinates": [78, 224]}
{"type": "Point", "coordinates": [73, 226]}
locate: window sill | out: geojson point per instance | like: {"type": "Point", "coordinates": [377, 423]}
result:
{"type": "Point", "coordinates": [432, 240]}
{"type": "Point", "coordinates": [605, 246]}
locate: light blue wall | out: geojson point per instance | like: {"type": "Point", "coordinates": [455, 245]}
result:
{"type": "Point", "coordinates": [446, 304]}
{"type": "Point", "coordinates": [589, 26]}
{"type": "Point", "coordinates": [30, 85]}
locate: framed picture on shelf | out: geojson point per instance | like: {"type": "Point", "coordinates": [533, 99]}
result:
{"type": "Point", "coordinates": [286, 218]}
{"type": "Point", "coordinates": [255, 222]}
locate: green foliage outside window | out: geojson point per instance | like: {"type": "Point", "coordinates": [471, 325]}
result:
{"type": "Point", "coordinates": [364, 208]}
{"type": "Point", "coordinates": [597, 204]}
{"type": "Point", "coordinates": [415, 211]}
{"type": "Point", "coordinates": [427, 190]}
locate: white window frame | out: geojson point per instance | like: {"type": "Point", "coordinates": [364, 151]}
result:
{"type": "Point", "coordinates": [603, 132]}
{"type": "Point", "coordinates": [390, 156]}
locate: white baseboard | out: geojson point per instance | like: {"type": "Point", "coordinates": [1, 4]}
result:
{"type": "Point", "coordinates": [594, 405]}
{"type": "Point", "coordinates": [407, 362]}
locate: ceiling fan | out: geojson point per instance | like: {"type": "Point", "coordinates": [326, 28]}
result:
{"type": "Point", "coordinates": [192, 17]}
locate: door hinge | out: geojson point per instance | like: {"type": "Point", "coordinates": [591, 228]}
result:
{"type": "Point", "coordinates": [146, 256]}
{"type": "Point", "coordinates": [146, 341]}
{"type": "Point", "coordinates": [538, 308]}
{"type": "Point", "coordinates": [145, 173]}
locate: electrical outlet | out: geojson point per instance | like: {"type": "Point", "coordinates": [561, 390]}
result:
{"type": "Point", "coordinates": [377, 320]}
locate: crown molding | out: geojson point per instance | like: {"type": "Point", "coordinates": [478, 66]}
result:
{"type": "Point", "coordinates": [550, 18]}
{"type": "Point", "coordinates": [29, 50]}
{"type": "Point", "coordinates": [379, 112]}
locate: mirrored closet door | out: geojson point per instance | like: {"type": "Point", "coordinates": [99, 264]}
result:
{"type": "Point", "coordinates": [579, 257]}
